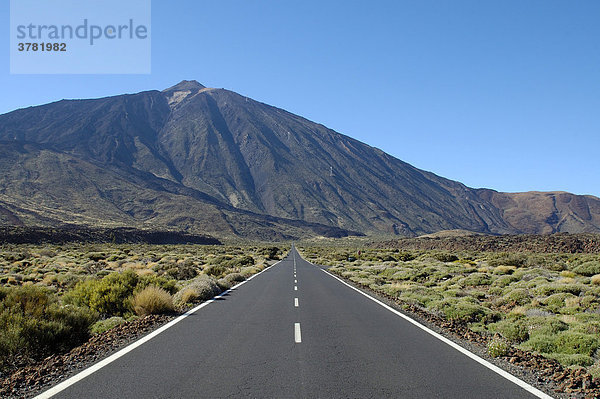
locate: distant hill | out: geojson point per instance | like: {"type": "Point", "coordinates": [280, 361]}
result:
{"type": "Point", "coordinates": [548, 243]}
{"type": "Point", "coordinates": [212, 161]}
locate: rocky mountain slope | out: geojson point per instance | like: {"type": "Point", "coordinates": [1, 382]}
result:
{"type": "Point", "coordinates": [210, 160]}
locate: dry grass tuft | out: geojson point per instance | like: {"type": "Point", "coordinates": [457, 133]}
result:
{"type": "Point", "coordinates": [188, 295]}
{"type": "Point", "coordinates": [152, 300]}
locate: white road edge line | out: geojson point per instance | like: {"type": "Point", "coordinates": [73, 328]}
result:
{"type": "Point", "coordinates": [297, 333]}
{"type": "Point", "coordinates": [454, 345]}
{"type": "Point", "coordinates": [92, 369]}
{"type": "Point", "coordinates": [296, 302]}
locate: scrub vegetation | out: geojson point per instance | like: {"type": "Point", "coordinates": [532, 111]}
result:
{"type": "Point", "coordinates": [543, 303]}
{"type": "Point", "coordinates": [54, 297]}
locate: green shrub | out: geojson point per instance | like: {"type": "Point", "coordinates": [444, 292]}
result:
{"type": "Point", "coordinates": [576, 343]}
{"type": "Point", "coordinates": [152, 300]}
{"type": "Point", "coordinates": [517, 296]}
{"type": "Point", "coordinates": [405, 256]}
{"type": "Point", "coordinates": [513, 330]}
{"type": "Point", "coordinates": [476, 279]}
{"type": "Point", "coordinates": [33, 324]}
{"type": "Point", "coordinates": [462, 310]}
{"type": "Point", "coordinates": [504, 281]}
{"type": "Point", "coordinates": [183, 272]}
{"type": "Point", "coordinates": [572, 359]}
{"type": "Point", "coordinates": [246, 260]}
{"type": "Point", "coordinates": [508, 260]}
{"type": "Point", "coordinates": [271, 253]}
{"type": "Point", "coordinates": [545, 325]}
{"type": "Point", "coordinates": [445, 257]}
{"type": "Point", "coordinates": [549, 289]}
{"type": "Point", "coordinates": [588, 269]}
{"type": "Point", "coordinates": [110, 296]}
{"type": "Point", "coordinates": [215, 270]}
{"type": "Point", "coordinates": [540, 343]}
{"type": "Point", "coordinates": [104, 325]}
{"type": "Point", "coordinates": [96, 256]}
{"type": "Point", "coordinates": [498, 348]}
{"type": "Point", "coordinates": [556, 302]}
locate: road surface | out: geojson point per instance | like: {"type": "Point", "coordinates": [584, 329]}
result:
{"type": "Point", "coordinates": [294, 332]}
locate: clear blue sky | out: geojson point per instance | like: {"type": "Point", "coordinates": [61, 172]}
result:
{"type": "Point", "coordinates": [503, 94]}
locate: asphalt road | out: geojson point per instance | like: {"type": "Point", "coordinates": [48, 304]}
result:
{"type": "Point", "coordinates": [294, 332]}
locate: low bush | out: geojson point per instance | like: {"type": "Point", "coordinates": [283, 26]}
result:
{"type": "Point", "coordinates": [508, 260]}
{"type": "Point", "coordinates": [183, 272]}
{"type": "Point", "coordinates": [572, 359]}
{"type": "Point", "coordinates": [576, 343]}
{"type": "Point", "coordinates": [110, 295]}
{"type": "Point", "coordinates": [33, 324]}
{"type": "Point", "coordinates": [152, 300]}
{"type": "Point", "coordinates": [557, 302]}
{"type": "Point", "coordinates": [566, 342]}
{"type": "Point", "coordinates": [460, 310]}
{"type": "Point", "coordinates": [517, 296]}
{"type": "Point", "coordinates": [235, 278]}
{"type": "Point", "coordinates": [215, 270]}
{"type": "Point", "coordinates": [513, 330]}
{"type": "Point", "coordinates": [476, 279]}
{"type": "Point", "coordinates": [553, 288]}
{"type": "Point", "coordinates": [504, 269]}
{"type": "Point", "coordinates": [201, 288]}
{"type": "Point", "coordinates": [249, 271]}
{"type": "Point", "coordinates": [541, 343]}
{"type": "Point", "coordinates": [104, 325]}
{"type": "Point", "coordinates": [230, 280]}
{"type": "Point", "coordinates": [271, 253]}
{"type": "Point", "coordinates": [498, 348]}
{"type": "Point", "coordinates": [405, 256]}
{"type": "Point", "coordinates": [588, 269]}
{"type": "Point", "coordinates": [445, 257]}
{"type": "Point", "coordinates": [504, 281]}
{"type": "Point", "coordinates": [545, 325]}
{"type": "Point", "coordinates": [185, 296]}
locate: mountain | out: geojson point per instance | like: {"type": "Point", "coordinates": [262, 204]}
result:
{"type": "Point", "coordinates": [210, 160]}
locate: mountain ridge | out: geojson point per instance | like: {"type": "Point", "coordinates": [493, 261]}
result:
{"type": "Point", "coordinates": [146, 155]}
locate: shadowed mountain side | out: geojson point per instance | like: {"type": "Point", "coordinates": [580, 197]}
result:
{"type": "Point", "coordinates": [43, 187]}
{"type": "Point", "coordinates": [198, 158]}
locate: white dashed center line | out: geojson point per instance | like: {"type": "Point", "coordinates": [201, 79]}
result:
{"type": "Point", "coordinates": [295, 288]}
{"type": "Point", "coordinates": [296, 302]}
{"type": "Point", "coordinates": [297, 334]}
